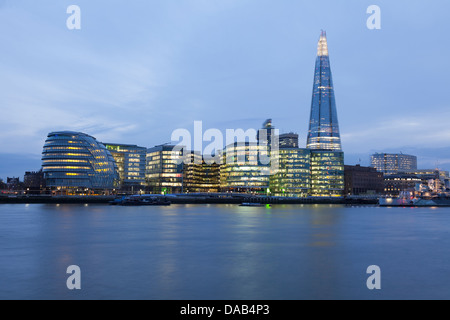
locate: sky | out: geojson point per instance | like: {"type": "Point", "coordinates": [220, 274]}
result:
{"type": "Point", "coordinates": [139, 69]}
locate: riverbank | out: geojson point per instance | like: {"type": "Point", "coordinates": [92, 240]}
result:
{"type": "Point", "coordinates": [188, 199]}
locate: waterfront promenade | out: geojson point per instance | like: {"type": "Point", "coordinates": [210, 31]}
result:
{"type": "Point", "coordinates": [199, 198]}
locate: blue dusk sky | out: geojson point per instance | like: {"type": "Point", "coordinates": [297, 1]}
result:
{"type": "Point", "coordinates": [139, 69]}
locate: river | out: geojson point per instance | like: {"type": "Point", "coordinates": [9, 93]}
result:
{"type": "Point", "coordinates": [223, 252]}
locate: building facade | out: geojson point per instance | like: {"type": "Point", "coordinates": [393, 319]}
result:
{"type": "Point", "coordinates": [13, 184]}
{"type": "Point", "coordinates": [130, 161]}
{"type": "Point", "coordinates": [397, 183]}
{"type": "Point", "coordinates": [245, 168]}
{"type": "Point", "coordinates": [34, 182]}
{"type": "Point", "coordinates": [198, 176]}
{"type": "Point", "coordinates": [293, 177]}
{"type": "Point", "coordinates": [164, 170]}
{"type": "Point", "coordinates": [363, 180]}
{"type": "Point", "coordinates": [392, 163]}
{"type": "Point", "coordinates": [288, 140]}
{"type": "Point", "coordinates": [76, 163]}
{"type": "Point", "coordinates": [327, 173]}
{"type": "Point", "coordinates": [323, 130]}
{"type": "Point", "coordinates": [265, 134]}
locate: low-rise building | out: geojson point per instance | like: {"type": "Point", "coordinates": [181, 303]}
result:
{"type": "Point", "coordinates": [363, 180]}
{"type": "Point", "coordinates": [34, 182]}
{"type": "Point", "coordinates": [395, 184]}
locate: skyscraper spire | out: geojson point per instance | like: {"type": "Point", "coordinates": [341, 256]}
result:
{"type": "Point", "coordinates": [322, 48]}
{"type": "Point", "coordinates": [323, 125]}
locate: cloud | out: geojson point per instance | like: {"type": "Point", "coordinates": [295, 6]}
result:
{"type": "Point", "coordinates": [423, 129]}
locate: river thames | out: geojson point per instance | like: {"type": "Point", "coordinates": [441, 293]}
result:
{"type": "Point", "coordinates": [223, 252]}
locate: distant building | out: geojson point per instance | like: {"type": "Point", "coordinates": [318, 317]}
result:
{"type": "Point", "coordinates": [427, 174]}
{"type": "Point", "coordinates": [266, 133]}
{"type": "Point", "coordinates": [288, 140]}
{"type": "Point", "coordinates": [34, 182]}
{"type": "Point", "coordinates": [164, 170]}
{"type": "Point", "coordinates": [293, 178]}
{"type": "Point", "coordinates": [242, 169]}
{"type": "Point", "coordinates": [432, 179]}
{"type": "Point", "coordinates": [13, 184]}
{"type": "Point", "coordinates": [363, 180]}
{"type": "Point", "coordinates": [391, 163]}
{"type": "Point", "coordinates": [395, 184]}
{"type": "Point", "coordinates": [76, 163]}
{"type": "Point", "coordinates": [327, 173]}
{"type": "Point", "coordinates": [130, 161]}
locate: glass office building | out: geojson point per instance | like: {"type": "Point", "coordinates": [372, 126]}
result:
{"type": "Point", "coordinates": [288, 140]}
{"type": "Point", "coordinates": [323, 126]}
{"type": "Point", "coordinates": [293, 178]}
{"type": "Point", "coordinates": [130, 160]}
{"type": "Point", "coordinates": [391, 163]}
{"type": "Point", "coordinates": [327, 173]}
{"type": "Point", "coordinates": [198, 176]}
{"type": "Point", "coordinates": [76, 163]}
{"type": "Point", "coordinates": [164, 170]}
{"type": "Point", "coordinates": [244, 169]}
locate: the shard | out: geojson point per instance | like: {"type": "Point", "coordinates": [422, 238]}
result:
{"type": "Point", "coordinates": [323, 126]}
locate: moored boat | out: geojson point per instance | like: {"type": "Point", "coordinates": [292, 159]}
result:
{"type": "Point", "coordinates": [434, 201]}
{"type": "Point", "coordinates": [141, 201]}
{"type": "Point", "coordinates": [251, 204]}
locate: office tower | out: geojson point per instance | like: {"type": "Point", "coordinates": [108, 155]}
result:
{"type": "Point", "coordinates": [293, 178]}
{"type": "Point", "coordinates": [327, 173]}
{"type": "Point", "coordinates": [391, 163]}
{"type": "Point", "coordinates": [323, 126]}
{"type": "Point", "coordinates": [243, 170]}
{"type": "Point", "coordinates": [76, 163]}
{"type": "Point", "coordinates": [164, 170]}
{"type": "Point", "coordinates": [130, 160]}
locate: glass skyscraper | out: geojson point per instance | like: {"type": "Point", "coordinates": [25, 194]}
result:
{"type": "Point", "coordinates": [323, 126]}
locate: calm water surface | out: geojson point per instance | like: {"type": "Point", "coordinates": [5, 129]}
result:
{"type": "Point", "coordinates": [223, 252]}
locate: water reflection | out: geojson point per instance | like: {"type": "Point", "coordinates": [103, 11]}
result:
{"type": "Point", "coordinates": [220, 251]}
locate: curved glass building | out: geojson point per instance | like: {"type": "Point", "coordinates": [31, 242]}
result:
{"type": "Point", "coordinates": [74, 160]}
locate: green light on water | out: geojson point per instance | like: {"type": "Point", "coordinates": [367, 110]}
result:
{"type": "Point", "coordinates": [268, 206]}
